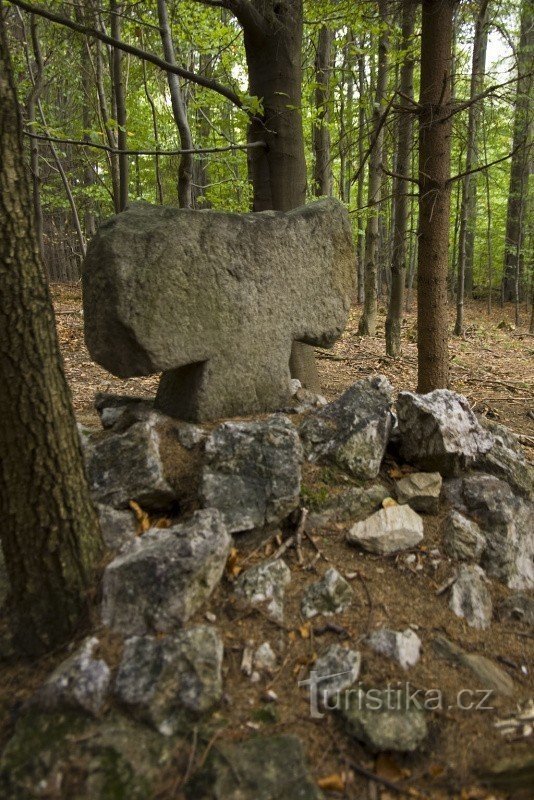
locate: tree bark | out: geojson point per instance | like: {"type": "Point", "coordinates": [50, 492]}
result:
{"type": "Point", "coordinates": [520, 160]}
{"type": "Point", "coordinates": [401, 185]}
{"type": "Point", "coordinates": [367, 324]}
{"type": "Point", "coordinates": [322, 167]}
{"type": "Point", "coordinates": [185, 170]}
{"type": "Point", "coordinates": [435, 129]}
{"type": "Point", "coordinates": [273, 42]}
{"type": "Point", "coordinates": [49, 533]}
{"type": "Point", "coordinates": [120, 104]}
{"type": "Point", "coordinates": [467, 209]}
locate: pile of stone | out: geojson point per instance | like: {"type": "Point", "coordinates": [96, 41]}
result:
{"type": "Point", "coordinates": [247, 478]}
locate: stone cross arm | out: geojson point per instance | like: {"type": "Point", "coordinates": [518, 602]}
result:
{"type": "Point", "coordinates": [214, 300]}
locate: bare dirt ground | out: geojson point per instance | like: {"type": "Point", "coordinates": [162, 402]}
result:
{"type": "Point", "coordinates": [492, 364]}
{"type": "Point", "coordinates": [494, 367]}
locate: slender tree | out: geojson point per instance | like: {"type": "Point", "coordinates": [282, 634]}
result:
{"type": "Point", "coordinates": [435, 130]}
{"type": "Point", "coordinates": [367, 324]}
{"type": "Point", "coordinates": [401, 204]}
{"type": "Point", "coordinates": [322, 168]}
{"type": "Point", "coordinates": [49, 533]}
{"type": "Point", "coordinates": [522, 137]}
{"type": "Point", "coordinates": [467, 208]}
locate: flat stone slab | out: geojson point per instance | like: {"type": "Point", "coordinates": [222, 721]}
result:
{"type": "Point", "coordinates": [214, 300]}
{"type": "Point", "coordinates": [387, 531]}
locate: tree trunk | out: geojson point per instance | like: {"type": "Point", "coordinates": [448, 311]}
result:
{"type": "Point", "coordinates": [401, 205]}
{"type": "Point", "coordinates": [120, 103]}
{"type": "Point", "coordinates": [273, 42]}
{"type": "Point", "coordinates": [521, 137]}
{"type": "Point", "coordinates": [185, 171]}
{"type": "Point", "coordinates": [49, 531]}
{"type": "Point", "coordinates": [322, 168]}
{"type": "Point", "coordinates": [367, 324]}
{"type": "Point", "coordinates": [468, 210]}
{"type": "Point", "coordinates": [435, 129]}
{"type": "Point", "coordinates": [361, 176]}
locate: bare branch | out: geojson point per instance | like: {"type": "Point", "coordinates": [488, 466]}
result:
{"type": "Point", "coordinates": [201, 80]}
{"type": "Point", "coordinates": [117, 151]}
{"type": "Point", "coordinates": [486, 166]}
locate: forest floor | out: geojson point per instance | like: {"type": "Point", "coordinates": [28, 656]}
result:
{"type": "Point", "coordinates": [493, 365]}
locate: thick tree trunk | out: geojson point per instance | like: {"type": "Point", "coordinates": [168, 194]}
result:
{"type": "Point", "coordinates": [367, 324]}
{"type": "Point", "coordinates": [435, 129]}
{"type": "Point", "coordinates": [520, 160]}
{"type": "Point", "coordinates": [49, 531]}
{"type": "Point", "coordinates": [401, 204]}
{"type": "Point", "coordinates": [273, 41]}
{"type": "Point", "coordinates": [468, 210]}
{"type": "Point", "coordinates": [322, 167]}
{"type": "Point", "coordinates": [185, 171]}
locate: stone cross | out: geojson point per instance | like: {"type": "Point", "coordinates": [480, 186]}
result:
{"type": "Point", "coordinates": [214, 300]}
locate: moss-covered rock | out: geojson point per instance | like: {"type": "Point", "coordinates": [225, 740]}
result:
{"type": "Point", "coordinates": [71, 756]}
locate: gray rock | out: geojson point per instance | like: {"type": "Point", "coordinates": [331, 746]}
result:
{"type": "Point", "coordinates": [118, 527]}
{"type": "Point", "coordinates": [331, 595]}
{"type": "Point", "coordinates": [489, 674]}
{"type": "Point", "coordinates": [252, 472]}
{"type": "Point", "coordinates": [402, 646]}
{"type": "Point", "coordinates": [518, 606]}
{"type": "Point", "coordinates": [334, 671]}
{"type": "Point", "coordinates": [383, 722]}
{"type": "Point", "coordinates": [165, 576]}
{"type": "Point", "coordinates": [70, 756]}
{"type": "Point", "coordinates": [470, 597]}
{"type": "Point", "coordinates": [261, 768]}
{"type": "Point", "coordinates": [264, 657]}
{"type": "Point", "coordinates": [421, 490]}
{"type": "Point", "coordinates": [462, 538]}
{"type": "Point", "coordinates": [440, 432]}
{"type": "Point", "coordinates": [161, 680]}
{"type": "Point", "coordinates": [197, 295]}
{"type": "Point", "coordinates": [392, 529]}
{"type": "Point", "coordinates": [81, 683]}
{"type": "Point", "coordinates": [506, 522]}
{"type": "Point", "coordinates": [356, 502]}
{"type": "Point", "coordinates": [506, 460]}
{"type": "Point", "coordinates": [353, 431]}
{"type": "Point", "coordinates": [264, 585]}
{"type": "Point", "coordinates": [127, 466]}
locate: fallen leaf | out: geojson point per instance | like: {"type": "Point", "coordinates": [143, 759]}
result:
{"type": "Point", "coordinates": [388, 502]}
{"type": "Point", "coordinates": [232, 567]}
{"type": "Point", "coordinates": [143, 520]}
{"type": "Point", "coordinates": [333, 783]}
{"type": "Point", "coordinates": [304, 630]}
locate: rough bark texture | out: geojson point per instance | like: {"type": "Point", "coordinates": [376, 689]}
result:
{"type": "Point", "coordinates": [49, 532]}
{"type": "Point", "coordinates": [367, 324]}
{"type": "Point", "coordinates": [322, 168]}
{"type": "Point", "coordinates": [120, 103]}
{"type": "Point", "coordinates": [520, 159]}
{"type": "Point", "coordinates": [468, 210]}
{"type": "Point", "coordinates": [401, 206]}
{"type": "Point", "coordinates": [435, 128]}
{"type": "Point", "coordinates": [273, 42]}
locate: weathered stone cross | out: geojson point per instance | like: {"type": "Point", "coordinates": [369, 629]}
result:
{"type": "Point", "coordinates": [214, 300]}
